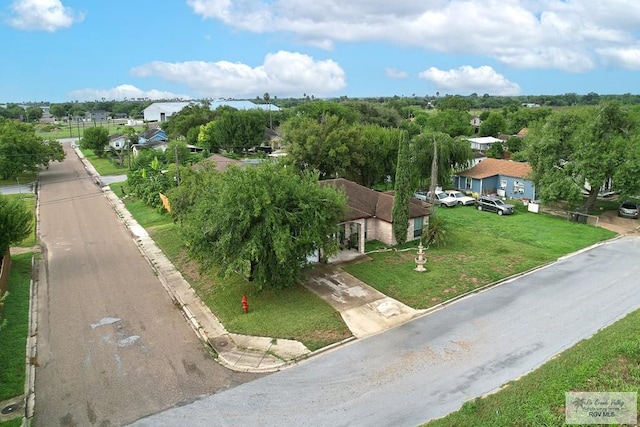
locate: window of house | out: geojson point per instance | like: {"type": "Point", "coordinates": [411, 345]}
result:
{"type": "Point", "coordinates": [518, 187]}
{"type": "Point", "coordinates": [417, 227]}
{"type": "Point", "coordinates": [503, 184]}
{"type": "Point", "coordinates": [467, 183]}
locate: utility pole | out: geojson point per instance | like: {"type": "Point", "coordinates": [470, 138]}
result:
{"type": "Point", "coordinates": [175, 149]}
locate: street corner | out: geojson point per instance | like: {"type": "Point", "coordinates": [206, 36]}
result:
{"type": "Point", "coordinates": [244, 353]}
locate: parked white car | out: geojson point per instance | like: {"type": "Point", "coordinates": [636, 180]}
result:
{"type": "Point", "coordinates": [462, 198]}
{"type": "Point", "coordinates": [441, 199]}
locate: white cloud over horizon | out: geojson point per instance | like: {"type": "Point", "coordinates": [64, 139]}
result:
{"type": "Point", "coordinates": [467, 80]}
{"type": "Point", "coordinates": [122, 92]}
{"type": "Point", "coordinates": [284, 73]}
{"type": "Point", "coordinates": [42, 15]}
{"type": "Point", "coordinates": [567, 35]}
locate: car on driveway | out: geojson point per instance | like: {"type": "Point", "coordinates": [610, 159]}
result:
{"type": "Point", "coordinates": [629, 209]}
{"type": "Point", "coordinates": [462, 198]}
{"type": "Point", "coordinates": [441, 198]}
{"type": "Point", "coordinates": [494, 204]}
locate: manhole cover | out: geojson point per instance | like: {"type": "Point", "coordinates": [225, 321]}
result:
{"type": "Point", "coordinates": [222, 343]}
{"type": "Point", "coordinates": [9, 409]}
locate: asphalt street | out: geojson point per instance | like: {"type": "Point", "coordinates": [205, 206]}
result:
{"type": "Point", "coordinates": [428, 367]}
{"type": "Point", "coordinates": [111, 346]}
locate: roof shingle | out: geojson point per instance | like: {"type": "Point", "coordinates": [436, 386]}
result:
{"type": "Point", "coordinates": [491, 167]}
{"type": "Point", "coordinates": [363, 202]}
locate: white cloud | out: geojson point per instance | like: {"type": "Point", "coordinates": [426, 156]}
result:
{"type": "Point", "coordinates": [629, 57]}
{"type": "Point", "coordinates": [467, 80]}
{"type": "Point", "coordinates": [282, 74]}
{"type": "Point", "coordinates": [45, 15]}
{"type": "Point", "coordinates": [395, 73]}
{"type": "Point", "coordinates": [121, 92]}
{"type": "Point", "coordinates": [561, 34]}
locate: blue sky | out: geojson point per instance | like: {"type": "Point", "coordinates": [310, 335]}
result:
{"type": "Point", "coordinates": [65, 50]}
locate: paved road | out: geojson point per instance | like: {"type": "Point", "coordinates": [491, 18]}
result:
{"type": "Point", "coordinates": [429, 367]}
{"type": "Point", "coordinates": [111, 346]}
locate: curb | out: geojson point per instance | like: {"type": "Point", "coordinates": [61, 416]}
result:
{"type": "Point", "coordinates": [506, 280]}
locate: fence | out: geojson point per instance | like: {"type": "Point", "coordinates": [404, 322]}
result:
{"type": "Point", "coordinates": [5, 269]}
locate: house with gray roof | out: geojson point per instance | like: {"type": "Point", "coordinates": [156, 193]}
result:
{"type": "Point", "coordinates": [369, 215]}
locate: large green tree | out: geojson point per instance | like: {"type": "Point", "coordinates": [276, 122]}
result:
{"type": "Point", "coordinates": [452, 154]}
{"type": "Point", "coordinates": [191, 116]}
{"type": "Point", "coordinates": [402, 193]}
{"type": "Point", "coordinates": [261, 222]}
{"type": "Point", "coordinates": [588, 146]}
{"type": "Point", "coordinates": [21, 150]}
{"type": "Point", "coordinates": [95, 138]}
{"type": "Point", "coordinates": [15, 222]}
{"type": "Point", "coordinates": [234, 131]}
{"type": "Point", "coordinates": [493, 125]}
{"type": "Point", "coordinates": [364, 153]}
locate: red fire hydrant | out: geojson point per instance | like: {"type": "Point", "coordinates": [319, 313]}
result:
{"type": "Point", "coordinates": [245, 304]}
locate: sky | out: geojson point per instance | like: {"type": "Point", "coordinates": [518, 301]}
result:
{"type": "Point", "coordinates": [78, 50]}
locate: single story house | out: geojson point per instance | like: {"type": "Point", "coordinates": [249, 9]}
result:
{"type": "Point", "coordinates": [117, 141]}
{"type": "Point", "coordinates": [482, 143]}
{"type": "Point", "coordinates": [368, 216]}
{"type": "Point", "coordinates": [504, 178]}
{"type": "Point", "coordinates": [152, 138]}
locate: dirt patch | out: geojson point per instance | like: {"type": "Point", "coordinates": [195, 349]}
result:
{"type": "Point", "coordinates": [611, 221]}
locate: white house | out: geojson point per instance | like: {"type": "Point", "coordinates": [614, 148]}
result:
{"type": "Point", "coordinates": [161, 111]}
{"type": "Point", "coordinates": [482, 143]}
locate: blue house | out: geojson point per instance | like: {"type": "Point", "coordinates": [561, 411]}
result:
{"type": "Point", "coordinates": [504, 178]}
{"type": "Point", "coordinates": [152, 136]}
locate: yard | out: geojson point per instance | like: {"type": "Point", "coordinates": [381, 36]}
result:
{"type": "Point", "coordinates": [482, 248]}
{"type": "Point", "coordinates": [63, 130]}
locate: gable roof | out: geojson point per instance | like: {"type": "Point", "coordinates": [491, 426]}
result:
{"type": "Point", "coordinates": [220, 163]}
{"type": "Point", "coordinates": [155, 134]}
{"type": "Point", "coordinates": [363, 202]}
{"type": "Point", "coordinates": [491, 167]}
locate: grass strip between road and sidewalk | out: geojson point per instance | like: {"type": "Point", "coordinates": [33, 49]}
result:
{"type": "Point", "coordinates": [607, 362]}
{"type": "Point", "coordinates": [15, 328]}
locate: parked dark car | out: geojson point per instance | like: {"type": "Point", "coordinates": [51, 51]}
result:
{"type": "Point", "coordinates": [494, 204]}
{"type": "Point", "coordinates": [629, 209]}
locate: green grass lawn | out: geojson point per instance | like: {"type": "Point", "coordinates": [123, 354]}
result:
{"type": "Point", "coordinates": [104, 165]}
{"type": "Point", "coordinates": [608, 361]}
{"type": "Point", "coordinates": [24, 178]}
{"type": "Point", "coordinates": [293, 313]}
{"type": "Point", "coordinates": [482, 248]}
{"type": "Point", "coordinates": [15, 328]}
{"type": "Point", "coordinates": [62, 130]}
